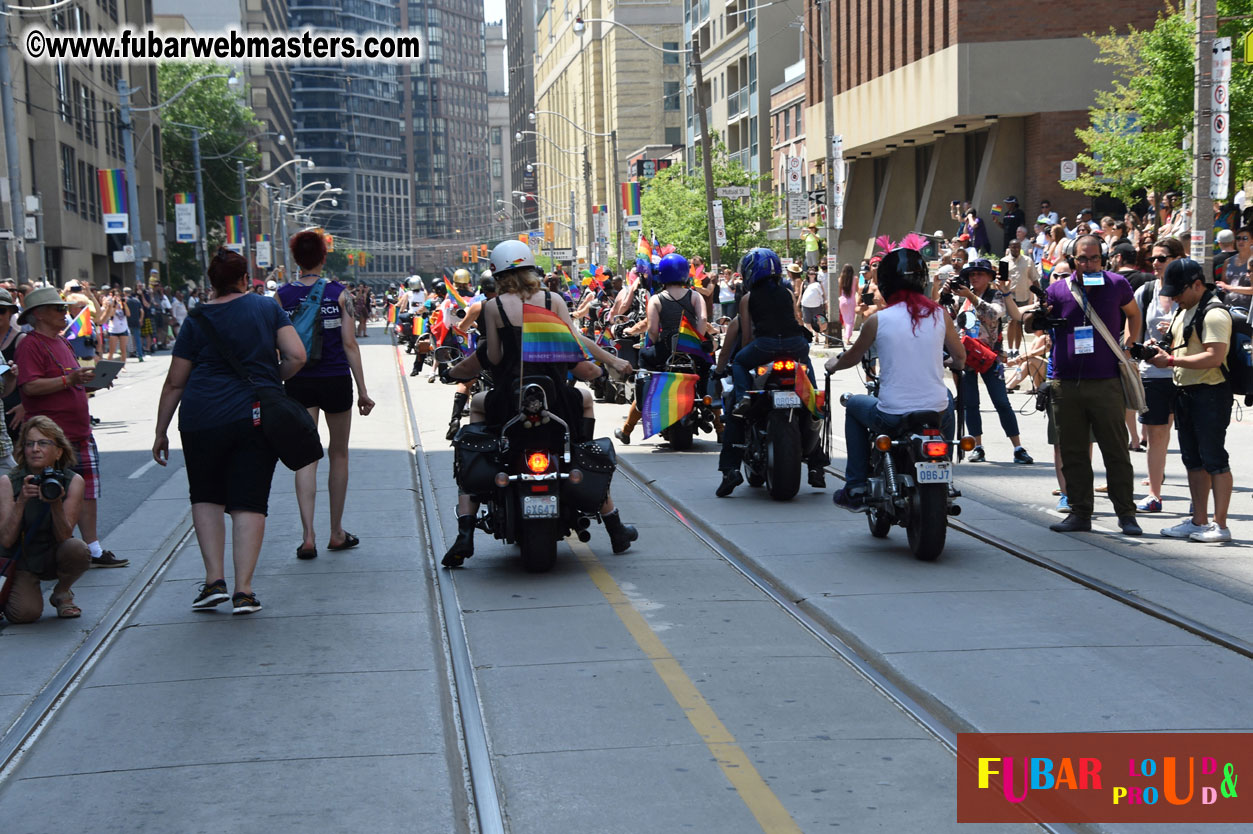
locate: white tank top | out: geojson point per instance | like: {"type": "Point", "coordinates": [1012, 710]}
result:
{"type": "Point", "coordinates": [911, 365]}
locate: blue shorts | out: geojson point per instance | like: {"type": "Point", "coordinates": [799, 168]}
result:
{"type": "Point", "coordinates": [1202, 413]}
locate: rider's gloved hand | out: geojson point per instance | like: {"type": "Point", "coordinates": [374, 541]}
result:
{"type": "Point", "coordinates": [445, 375]}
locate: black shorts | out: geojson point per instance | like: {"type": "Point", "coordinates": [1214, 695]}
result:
{"type": "Point", "coordinates": [1159, 396]}
{"type": "Point", "coordinates": [231, 465]}
{"type": "Point", "coordinates": [332, 394]}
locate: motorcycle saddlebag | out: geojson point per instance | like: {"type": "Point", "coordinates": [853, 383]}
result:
{"type": "Point", "coordinates": [476, 458]}
{"type": "Point", "coordinates": [596, 460]}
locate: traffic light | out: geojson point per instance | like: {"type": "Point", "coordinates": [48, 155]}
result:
{"type": "Point", "coordinates": [465, 256]}
{"type": "Point", "coordinates": [483, 251]}
{"type": "Point", "coordinates": [330, 243]}
{"type": "Point", "coordinates": [352, 259]}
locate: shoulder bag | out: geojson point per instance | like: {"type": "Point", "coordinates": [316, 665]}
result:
{"type": "Point", "coordinates": [285, 423]}
{"type": "Point", "coordinates": [1128, 371]}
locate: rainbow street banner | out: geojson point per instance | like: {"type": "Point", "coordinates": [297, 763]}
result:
{"type": "Point", "coordinates": [184, 217]}
{"type": "Point", "coordinates": [262, 251]}
{"type": "Point", "coordinates": [234, 224]}
{"type": "Point", "coordinates": [667, 400]}
{"type": "Point", "coordinates": [631, 199]}
{"type": "Point", "coordinates": [113, 204]}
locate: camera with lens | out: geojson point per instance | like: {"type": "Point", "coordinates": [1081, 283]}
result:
{"type": "Point", "coordinates": [51, 484]}
{"type": "Point", "coordinates": [1142, 352]}
{"type": "Point", "coordinates": [959, 281]}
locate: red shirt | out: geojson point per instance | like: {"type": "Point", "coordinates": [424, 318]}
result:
{"type": "Point", "coordinates": [42, 357]}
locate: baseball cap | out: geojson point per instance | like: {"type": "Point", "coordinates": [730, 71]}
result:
{"type": "Point", "coordinates": [1043, 220]}
{"type": "Point", "coordinates": [1011, 199]}
{"type": "Point", "coordinates": [1126, 250]}
{"type": "Point", "coordinates": [1085, 211]}
{"type": "Point", "coordinates": [963, 237]}
{"type": "Point", "coordinates": [1180, 275]}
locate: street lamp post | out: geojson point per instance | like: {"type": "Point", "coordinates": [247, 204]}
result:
{"type": "Point", "coordinates": [243, 215]}
{"type": "Point", "coordinates": [613, 152]}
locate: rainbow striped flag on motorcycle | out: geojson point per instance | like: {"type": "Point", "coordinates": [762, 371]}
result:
{"type": "Point", "coordinates": [688, 341]}
{"type": "Point", "coordinates": [547, 337]}
{"type": "Point", "coordinates": [454, 296]}
{"type": "Point", "coordinates": [668, 398]}
{"type": "Point", "coordinates": [805, 390]}
{"type": "Point", "coordinates": [391, 313]}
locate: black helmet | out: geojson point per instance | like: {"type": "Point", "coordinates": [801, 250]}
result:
{"type": "Point", "coordinates": [487, 284]}
{"type": "Point", "coordinates": [902, 269]}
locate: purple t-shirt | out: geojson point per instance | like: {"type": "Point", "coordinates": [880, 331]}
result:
{"type": "Point", "coordinates": [334, 360]}
{"type": "Point", "coordinates": [1105, 301]}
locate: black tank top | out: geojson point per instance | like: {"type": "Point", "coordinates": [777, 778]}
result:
{"type": "Point", "coordinates": [509, 368]}
{"type": "Point", "coordinates": [770, 305]}
{"type": "Point", "coordinates": [671, 314]}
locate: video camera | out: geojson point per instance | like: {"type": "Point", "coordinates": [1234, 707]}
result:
{"type": "Point", "coordinates": [1043, 319]}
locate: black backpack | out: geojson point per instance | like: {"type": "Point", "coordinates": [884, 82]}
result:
{"type": "Point", "coordinates": [1238, 366]}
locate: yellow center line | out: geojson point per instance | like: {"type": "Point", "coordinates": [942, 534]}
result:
{"type": "Point", "coordinates": [739, 771]}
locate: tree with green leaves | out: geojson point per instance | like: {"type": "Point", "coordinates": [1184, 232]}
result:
{"type": "Point", "coordinates": [1137, 127]}
{"type": "Point", "coordinates": [226, 126]}
{"type": "Point", "coordinates": [674, 208]}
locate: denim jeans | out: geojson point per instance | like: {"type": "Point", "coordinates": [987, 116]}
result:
{"type": "Point", "coordinates": [137, 342]}
{"type": "Point", "coordinates": [994, 381]}
{"type": "Point", "coordinates": [861, 414]}
{"type": "Point", "coordinates": [767, 349]}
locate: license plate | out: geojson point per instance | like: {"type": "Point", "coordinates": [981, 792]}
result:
{"type": "Point", "coordinates": [934, 473]}
{"type": "Point", "coordinates": [786, 399]}
{"type": "Point", "coordinates": [539, 506]}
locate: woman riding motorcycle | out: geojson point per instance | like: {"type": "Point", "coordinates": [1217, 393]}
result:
{"type": "Point", "coordinates": [910, 336]}
{"type": "Point", "coordinates": [487, 291]}
{"type": "Point", "coordinates": [500, 351]}
{"type": "Point", "coordinates": [664, 315]}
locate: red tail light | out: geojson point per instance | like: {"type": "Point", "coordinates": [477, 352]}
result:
{"type": "Point", "coordinates": [537, 462]}
{"type": "Point", "coordinates": [935, 448]}
{"type": "Point", "coordinates": [785, 365]}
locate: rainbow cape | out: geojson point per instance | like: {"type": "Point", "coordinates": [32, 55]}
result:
{"type": "Point", "coordinates": [454, 296]}
{"type": "Point", "coordinates": [81, 326]}
{"type": "Point", "coordinates": [689, 341]}
{"type": "Point", "coordinates": [547, 337]}
{"type": "Point", "coordinates": [805, 389]}
{"type": "Point", "coordinates": [667, 400]}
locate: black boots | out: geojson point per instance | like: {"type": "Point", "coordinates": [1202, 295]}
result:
{"type": "Point", "coordinates": [462, 546]}
{"type": "Point", "coordinates": [459, 401]}
{"type": "Point", "coordinates": [620, 535]}
{"type": "Point", "coordinates": [417, 365]}
{"type": "Point", "coordinates": [731, 478]}
{"type": "Point", "coordinates": [587, 429]}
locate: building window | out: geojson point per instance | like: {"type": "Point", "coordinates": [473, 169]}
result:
{"type": "Point", "coordinates": [69, 182]}
{"type": "Point", "coordinates": [671, 92]}
{"type": "Point", "coordinates": [92, 195]}
{"type": "Point", "coordinates": [84, 205]}
{"type": "Point", "coordinates": [496, 168]}
{"type": "Point", "coordinates": [670, 57]}
{"type": "Point", "coordinates": [787, 125]}
{"type": "Point", "coordinates": [674, 136]}
{"type": "Point", "coordinates": [495, 136]}
{"type": "Point", "coordinates": [799, 124]}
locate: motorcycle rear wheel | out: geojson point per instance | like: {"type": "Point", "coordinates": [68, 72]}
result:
{"type": "Point", "coordinates": [538, 542]}
{"type": "Point", "coordinates": [880, 523]}
{"type": "Point", "coordinates": [928, 522]}
{"type": "Point", "coordinates": [783, 456]}
{"type": "Point", "coordinates": [679, 436]}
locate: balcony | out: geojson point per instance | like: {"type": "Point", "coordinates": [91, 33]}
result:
{"type": "Point", "coordinates": [737, 104]}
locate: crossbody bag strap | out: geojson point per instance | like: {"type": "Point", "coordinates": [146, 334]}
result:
{"type": "Point", "coordinates": [1100, 327]}
{"type": "Point", "coordinates": [219, 343]}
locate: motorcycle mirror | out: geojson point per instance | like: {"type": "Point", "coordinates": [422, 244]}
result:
{"type": "Point", "coordinates": [967, 320]}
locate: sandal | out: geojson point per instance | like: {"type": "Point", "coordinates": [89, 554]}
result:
{"type": "Point", "coordinates": [306, 553]}
{"type": "Point", "coordinates": [350, 541]}
{"type": "Point", "coordinates": [66, 609]}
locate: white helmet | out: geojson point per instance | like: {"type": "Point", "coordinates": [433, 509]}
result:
{"type": "Point", "coordinates": [512, 254]}
{"type": "Point", "coordinates": [487, 273]}
{"type": "Point", "coordinates": [415, 282]}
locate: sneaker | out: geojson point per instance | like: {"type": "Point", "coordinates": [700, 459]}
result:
{"type": "Point", "coordinates": [214, 593]}
{"type": "Point", "coordinates": [1183, 530]}
{"type": "Point", "coordinates": [108, 560]}
{"type": "Point", "coordinates": [1021, 456]}
{"type": "Point", "coordinates": [817, 478]}
{"type": "Point", "coordinates": [1150, 505]}
{"type": "Point", "coordinates": [245, 603]}
{"type": "Point", "coordinates": [1063, 506]}
{"type": "Point", "coordinates": [851, 501]}
{"type": "Point", "coordinates": [730, 480]}
{"type": "Point", "coordinates": [976, 456]}
{"type": "Point", "coordinates": [1211, 534]}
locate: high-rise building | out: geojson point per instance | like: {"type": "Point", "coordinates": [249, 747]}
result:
{"type": "Point", "coordinates": [348, 120]}
{"type": "Point", "coordinates": [521, 18]}
{"type": "Point", "coordinates": [499, 138]}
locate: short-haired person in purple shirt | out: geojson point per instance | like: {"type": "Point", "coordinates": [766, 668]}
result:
{"type": "Point", "coordinates": [326, 386]}
{"type": "Point", "coordinates": [1087, 389]}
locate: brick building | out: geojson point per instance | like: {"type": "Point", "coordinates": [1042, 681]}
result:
{"type": "Point", "coordinates": [940, 101]}
{"type": "Point", "coordinates": [787, 135]}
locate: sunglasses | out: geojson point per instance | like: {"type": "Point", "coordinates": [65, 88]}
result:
{"type": "Point", "coordinates": [1244, 239]}
{"type": "Point", "coordinates": [1157, 259]}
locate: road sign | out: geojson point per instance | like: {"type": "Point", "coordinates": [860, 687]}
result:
{"type": "Point", "coordinates": [1248, 47]}
{"type": "Point", "coordinates": [263, 254]}
{"type": "Point", "coordinates": [1220, 178]}
{"type": "Point", "coordinates": [635, 222]}
{"type": "Point", "coordinates": [563, 254]}
{"type": "Point", "coordinates": [1199, 239]}
{"type": "Point", "coordinates": [1070, 170]}
{"type": "Point", "coordinates": [837, 193]}
{"type": "Point", "coordinates": [126, 255]}
{"type": "Point", "coordinates": [797, 207]}
{"type": "Point", "coordinates": [795, 169]}
{"type": "Point", "coordinates": [720, 229]}
{"type": "Point", "coordinates": [837, 146]}
{"type": "Point", "coordinates": [1222, 60]}
{"type": "Point", "coordinates": [548, 231]}
{"type": "Point", "coordinates": [837, 218]}
{"type": "Point", "coordinates": [732, 192]}
{"type": "Point", "coordinates": [1220, 134]}
{"type": "Point", "coordinates": [819, 196]}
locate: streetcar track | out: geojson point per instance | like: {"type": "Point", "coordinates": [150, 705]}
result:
{"type": "Point", "coordinates": [26, 729]}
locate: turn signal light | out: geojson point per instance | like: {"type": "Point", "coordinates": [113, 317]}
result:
{"type": "Point", "coordinates": [935, 449]}
{"type": "Point", "coordinates": [576, 476]}
{"type": "Point", "coordinates": [537, 462]}
{"type": "Point", "coordinates": [883, 443]}
{"type": "Point", "coordinates": [967, 444]}
{"type": "Point", "coordinates": [502, 479]}
{"type": "Point", "coordinates": [785, 365]}
{"type": "Point", "coordinates": [762, 370]}
{"type": "Point", "coordinates": [707, 400]}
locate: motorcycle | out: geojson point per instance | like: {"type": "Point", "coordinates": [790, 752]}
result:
{"type": "Point", "coordinates": [911, 478]}
{"type": "Point", "coordinates": [404, 331]}
{"type": "Point", "coordinates": [780, 432]}
{"type": "Point", "coordinates": [701, 418]}
{"type": "Point", "coordinates": [535, 484]}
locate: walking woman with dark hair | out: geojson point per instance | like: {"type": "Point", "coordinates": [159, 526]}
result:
{"type": "Point", "coordinates": [326, 386]}
{"type": "Point", "coordinates": [229, 462]}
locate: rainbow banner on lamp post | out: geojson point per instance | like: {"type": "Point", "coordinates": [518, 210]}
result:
{"type": "Point", "coordinates": [184, 217]}
{"type": "Point", "coordinates": [631, 199]}
{"type": "Point", "coordinates": [113, 203]}
{"type": "Point", "coordinates": [234, 224]}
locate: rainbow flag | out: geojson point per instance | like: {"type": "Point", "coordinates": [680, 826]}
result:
{"type": "Point", "coordinates": [997, 210]}
{"type": "Point", "coordinates": [688, 341]}
{"type": "Point", "coordinates": [631, 199]}
{"type": "Point", "coordinates": [547, 337]}
{"type": "Point", "coordinates": [643, 248]}
{"type": "Point", "coordinates": [655, 251]}
{"type": "Point", "coordinates": [667, 400]}
{"type": "Point", "coordinates": [81, 326]}
{"type": "Point", "coordinates": [184, 197]}
{"type": "Point", "coordinates": [1046, 268]}
{"type": "Point", "coordinates": [454, 296]}
{"type": "Point", "coordinates": [602, 339]}
{"type": "Point", "coordinates": [112, 182]}
{"type": "Point", "coordinates": [805, 389]}
{"type": "Point", "coordinates": [419, 325]}
{"type": "Point", "coordinates": [234, 228]}
{"type": "Point", "coordinates": [391, 313]}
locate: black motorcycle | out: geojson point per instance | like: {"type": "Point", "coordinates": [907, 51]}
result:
{"type": "Point", "coordinates": [701, 418]}
{"type": "Point", "coordinates": [780, 432]}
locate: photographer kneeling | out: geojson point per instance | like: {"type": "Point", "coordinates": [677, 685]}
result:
{"type": "Point", "coordinates": [37, 517]}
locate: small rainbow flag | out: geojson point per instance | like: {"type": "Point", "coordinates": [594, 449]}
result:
{"type": "Point", "coordinates": [631, 199]}
{"type": "Point", "coordinates": [81, 326]}
{"type": "Point", "coordinates": [643, 248]}
{"type": "Point", "coordinates": [419, 325]}
{"type": "Point", "coordinates": [112, 182]}
{"type": "Point", "coordinates": [997, 210]}
{"type": "Point", "coordinates": [688, 341]}
{"type": "Point", "coordinates": [602, 339]}
{"type": "Point", "coordinates": [184, 197]}
{"type": "Point", "coordinates": [453, 295]}
{"type": "Point", "coordinates": [391, 313]}
{"type": "Point", "coordinates": [1046, 267]}
{"type": "Point", "coordinates": [667, 400]}
{"type": "Point", "coordinates": [547, 337]}
{"type": "Point", "coordinates": [805, 389]}
{"type": "Point", "coordinates": [234, 225]}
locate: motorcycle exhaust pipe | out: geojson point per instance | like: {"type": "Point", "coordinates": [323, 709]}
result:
{"type": "Point", "coordinates": [954, 509]}
{"type": "Point", "coordinates": [584, 536]}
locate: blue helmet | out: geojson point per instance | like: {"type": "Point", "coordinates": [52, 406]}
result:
{"type": "Point", "coordinates": [760, 264]}
{"type": "Point", "coordinates": [674, 269]}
